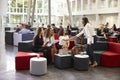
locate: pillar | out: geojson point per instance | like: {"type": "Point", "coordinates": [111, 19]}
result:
{"type": "Point", "coordinates": [29, 10]}
{"type": "Point", "coordinates": [33, 12]}
{"type": "Point", "coordinates": [49, 11]}
{"type": "Point", "coordinates": [70, 13]}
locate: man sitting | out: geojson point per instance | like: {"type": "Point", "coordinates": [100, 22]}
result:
{"type": "Point", "coordinates": [23, 29]}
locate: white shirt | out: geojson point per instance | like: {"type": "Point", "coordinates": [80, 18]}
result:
{"type": "Point", "coordinates": [61, 41]}
{"type": "Point", "coordinates": [49, 41]}
{"type": "Point", "coordinates": [89, 32]}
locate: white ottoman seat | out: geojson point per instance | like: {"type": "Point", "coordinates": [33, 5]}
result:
{"type": "Point", "coordinates": [38, 66]}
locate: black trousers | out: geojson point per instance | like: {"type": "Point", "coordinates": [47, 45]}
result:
{"type": "Point", "coordinates": [89, 49]}
{"type": "Point", "coordinates": [45, 51]}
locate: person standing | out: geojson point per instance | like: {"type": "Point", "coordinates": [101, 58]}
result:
{"type": "Point", "coordinates": [88, 31]}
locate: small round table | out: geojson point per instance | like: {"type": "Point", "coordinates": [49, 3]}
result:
{"type": "Point", "coordinates": [38, 65]}
{"type": "Point", "coordinates": [81, 62]}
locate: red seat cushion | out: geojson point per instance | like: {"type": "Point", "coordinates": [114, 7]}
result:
{"type": "Point", "coordinates": [112, 39]}
{"type": "Point", "coordinates": [22, 59]}
{"type": "Point", "coordinates": [114, 47]}
{"type": "Point", "coordinates": [110, 59]}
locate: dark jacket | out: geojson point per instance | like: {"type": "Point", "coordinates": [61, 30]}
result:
{"type": "Point", "coordinates": [37, 43]}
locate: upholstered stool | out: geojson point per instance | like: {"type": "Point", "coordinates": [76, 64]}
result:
{"type": "Point", "coordinates": [25, 46]}
{"type": "Point", "coordinates": [38, 65]}
{"type": "Point", "coordinates": [81, 62]}
{"type": "Point", "coordinates": [22, 59]}
{"type": "Point", "coordinates": [63, 61]}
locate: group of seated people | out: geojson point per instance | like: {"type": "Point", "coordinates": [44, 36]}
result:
{"type": "Point", "coordinates": [44, 41]}
{"type": "Point", "coordinates": [104, 31]}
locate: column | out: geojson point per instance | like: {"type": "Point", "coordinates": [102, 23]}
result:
{"type": "Point", "coordinates": [36, 10]}
{"type": "Point", "coordinates": [3, 13]}
{"type": "Point", "coordinates": [96, 5]}
{"type": "Point", "coordinates": [76, 6]}
{"type": "Point", "coordinates": [88, 7]}
{"type": "Point", "coordinates": [107, 4]}
{"type": "Point", "coordinates": [70, 13]}
{"type": "Point", "coordinates": [23, 19]}
{"type": "Point", "coordinates": [81, 5]}
{"type": "Point", "coordinates": [29, 10]}
{"type": "Point", "coordinates": [33, 12]}
{"type": "Point", "coordinates": [17, 6]}
{"type": "Point", "coordinates": [49, 11]}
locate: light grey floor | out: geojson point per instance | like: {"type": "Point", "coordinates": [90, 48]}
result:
{"type": "Point", "coordinates": [8, 72]}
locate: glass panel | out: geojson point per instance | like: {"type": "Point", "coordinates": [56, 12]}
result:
{"type": "Point", "coordinates": [73, 6]}
{"type": "Point", "coordinates": [102, 3]}
{"type": "Point", "coordinates": [19, 3]}
{"type": "Point", "coordinates": [13, 3]}
{"type": "Point", "coordinates": [92, 4]}
{"type": "Point", "coordinates": [25, 3]}
{"type": "Point", "coordinates": [112, 3]}
{"type": "Point", "coordinates": [39, 3]}
{"type": "Point", "coordinates": [110, 18]}
{"type": "Point", "coordinates": [85, 4]}
{"type": "Point", "coordinates": [16, 18]}
{"type": "Point", "coordinates": [76, 21]}
{"type": "Point", "coordinates": [78, 5]}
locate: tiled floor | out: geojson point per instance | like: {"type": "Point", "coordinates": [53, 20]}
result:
{"type": "Point", "coordinates": [8, 72]}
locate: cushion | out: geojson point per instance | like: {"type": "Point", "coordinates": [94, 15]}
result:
{"type": "Point", "coordinates": [114, 47]}
{"type": "Point", "coordinates": [110, 59]}
{"type": "Point", "coordinates": [22, 59]}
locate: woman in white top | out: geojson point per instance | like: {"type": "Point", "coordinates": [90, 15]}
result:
{"type": "Point", "coordinates": [62, 37]}
{"type": "Point", "coordinates": [49, 42]}
{"type": "Point", "coordinates": [89, 32]}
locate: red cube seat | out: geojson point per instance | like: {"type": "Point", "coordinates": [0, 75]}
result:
{"type": "Point", "coordinates": [111, 58]}
{"type": "Point", "coordinates": [22, 59]}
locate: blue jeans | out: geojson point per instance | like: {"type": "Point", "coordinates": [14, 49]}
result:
{"type": "Point", "coordinates": [89, 50]}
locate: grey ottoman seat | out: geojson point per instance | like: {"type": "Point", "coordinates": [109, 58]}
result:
{"type": "Point", "coordinates": [81, 62]}
{"type": "Point", "coordinates": [9, 37]}
{"type": "Point", "coordinates": [63, 61]}
{"type": "Point", "coordinates": [25, 46]}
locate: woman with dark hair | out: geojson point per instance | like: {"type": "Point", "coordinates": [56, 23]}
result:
{"type": "Point", "coordinates": [49, 42]}
{"type": "Point", "coordinates": [88, 30]}
{"type": "Point", "coordinates": [62, 36]}
{"type": "Point", "coordinates": [69, 28]}
{"type": "Point", "coordinates": [38, 40]}
{"type": "Point", "coordinates": [114, 28]}
{"type": "Point", "coordinates": [38, 44]}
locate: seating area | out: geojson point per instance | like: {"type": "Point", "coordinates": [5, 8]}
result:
{"type": "Point", "coordinates": [59, 39]}
{"type": "Point", "coordinates": [111, 57]}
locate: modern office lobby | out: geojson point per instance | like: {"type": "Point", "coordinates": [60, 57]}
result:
{"type": "Point", "coordinates": [19, 60]}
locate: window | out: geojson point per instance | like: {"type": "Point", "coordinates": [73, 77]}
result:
{"type": "Point", "coordinates": [112, 3]}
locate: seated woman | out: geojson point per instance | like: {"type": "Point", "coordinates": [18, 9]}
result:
{"type": "Point", "coordinates": [49, 42]}
{"type": "Point", "coordinates": [100, 31]}
{"type": "Point", "coordinates": [63, 44]}
{"type": "Point", "coordinates": [38, 40]}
